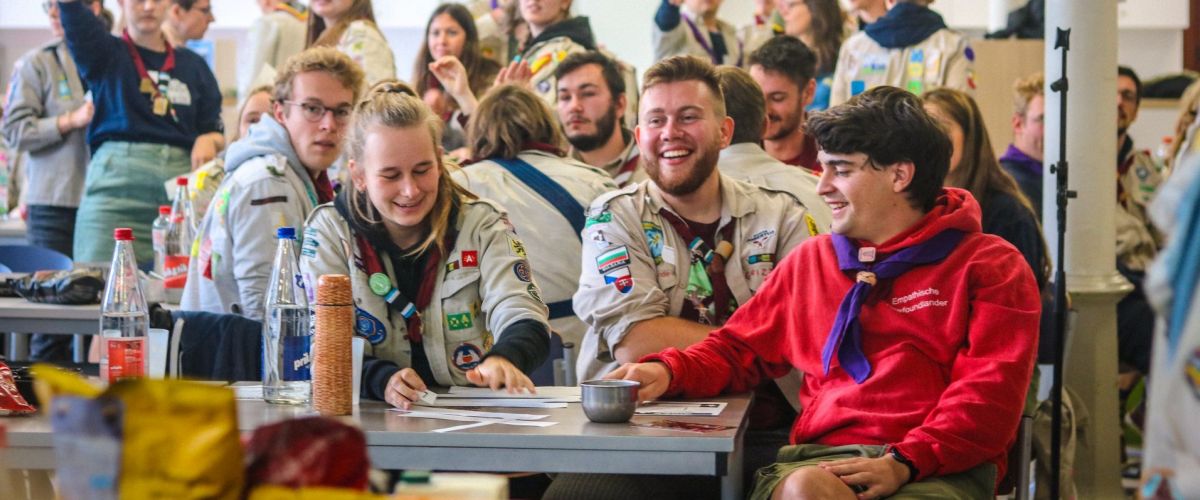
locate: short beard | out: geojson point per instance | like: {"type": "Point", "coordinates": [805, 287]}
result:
{"type": "Point", "coordinates": [704, 167]}
{"type": "Point", "coordinates": [604, 130]}
{"type": "Point", "coordinates": [788, 127]}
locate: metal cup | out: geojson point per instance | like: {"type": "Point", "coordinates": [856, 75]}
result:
{"type": "Point", "coordinates": [609, 401]}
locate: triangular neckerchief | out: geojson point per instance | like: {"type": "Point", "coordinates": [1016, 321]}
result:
{"type": "Point", "coordinates": [717, 59]}
{"type": "Point", "coordinates": [706, 274]}
{"type": "Point", "coordinates": [845, 338]}
{"type": "Point", "coordinates": [145, 84]}
{"type": "Point", "coordinates": [383, 284]}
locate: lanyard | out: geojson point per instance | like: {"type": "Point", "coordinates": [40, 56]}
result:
{"type": "Point", "coordinates": [157, 94]}
{"type": "Point", "coordinates": [712, 53]}
{"type": "Point", "coordinates": [707, 268]}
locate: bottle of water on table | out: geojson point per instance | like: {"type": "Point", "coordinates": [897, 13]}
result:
{"type": "Point", "coordinates": [124, 317]}
{"type": "Point", "coordinates": [286, 333]}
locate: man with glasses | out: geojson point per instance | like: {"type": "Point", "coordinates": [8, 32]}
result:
{"type": "Point", "coordinates": [1138, 177]}
{"type": "Point", "coordinates": [274, 177]}
{"type": "Point", "coordinates": [187, 20]}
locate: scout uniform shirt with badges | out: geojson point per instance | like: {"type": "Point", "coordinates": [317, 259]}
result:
{"type": "Point", "coordinates": [550, 241]}
{"type": "Point", "coordinates": [265, 187]}
{"type": "Point", "coordinates": [945, 59]}
{"type": "Point", "coordinates": [482, 285]}
{"type": "Point", "coordinates": [45, 84]}
{"type": "Point", "coordinates": [637, 266]}
{"type": "Point", "coordinates": [1138, 178]}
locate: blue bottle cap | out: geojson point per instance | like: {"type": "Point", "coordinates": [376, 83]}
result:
{"type": "Point", "coordinates": [286, 233]}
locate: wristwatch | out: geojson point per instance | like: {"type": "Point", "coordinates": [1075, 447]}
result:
{"type": "Point", "coordinates": [899, 457]}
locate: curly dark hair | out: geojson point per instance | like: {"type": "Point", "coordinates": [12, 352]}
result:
{"type": "Point", "coordinates": [889, 125]}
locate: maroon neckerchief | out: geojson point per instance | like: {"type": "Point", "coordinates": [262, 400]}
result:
{"type": "Point", "coordinates": [323, 186]}
{"type": "Point", "coordinates": [372, 262]}
{"type": "Point", "coordinates": [143, 74]}
{"type": "Point", "coordinates": [715, 269]}
{"type": "Point", "coordinates": [807, 157]}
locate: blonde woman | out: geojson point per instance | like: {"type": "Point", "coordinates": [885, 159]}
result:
{"type": "Point", "coordinates": [349, 25]}
{"type": "Point", "coordinates": [443, 289]}
{"type": "Point", "coordinates": [520, 161]}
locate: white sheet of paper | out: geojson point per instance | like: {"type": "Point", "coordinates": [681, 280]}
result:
{"type": "Point", "coordinates": [561, 393]}
{"type": "Point", "coordinates": [462, 427]}
{"type": "Point", "coordinates": [459, 416]}
{"type": "Point", "coordinates": [681, 408]}
{"type": "Point", "coordinates": [496, 403]}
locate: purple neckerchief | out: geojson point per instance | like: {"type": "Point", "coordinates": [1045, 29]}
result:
{"type": "Point", "coordinates": [846, 335]}
{"type": "Point", "coordinates": [717, 59]}
{"type": "Point", "coordinates": [1015, 155]}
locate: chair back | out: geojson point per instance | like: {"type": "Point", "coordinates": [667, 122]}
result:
{"type": "Point", "coordinates": [29, 258]}
{"type": "Point", "coordinates": [545, 374]}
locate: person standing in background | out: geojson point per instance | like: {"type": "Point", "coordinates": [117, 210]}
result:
{"type": "Point", "coordinates": [450, 36]}
{"type": "Point", "coordinates": [910, 47]}
{"type": "Point", "coordinates": [820, 25]}
{"type": "Point", "coordinates": [274, 37]}
{"type": "Point", "coordinates": [46, 119]}
{"type": "Point", "coordinates": [349, 26]}
{"type": "Point", "coordinates": [691, 28]}
{"type": "Point", "coordinates": [158, 115]}
{"type": "Point", "coordinates": [187, 20]}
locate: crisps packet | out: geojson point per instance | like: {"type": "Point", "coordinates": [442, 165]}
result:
{"type": "Point", "coordinates": [11, 401]}
{"type": "Point", "coordinates": [177, 439]}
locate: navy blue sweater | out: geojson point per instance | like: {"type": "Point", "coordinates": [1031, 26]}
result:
{"type": "Point", "coordinates": [123, 112]}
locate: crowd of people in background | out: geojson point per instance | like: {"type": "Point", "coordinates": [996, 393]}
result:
{"type": "Point", "coordinates": [814, 193]}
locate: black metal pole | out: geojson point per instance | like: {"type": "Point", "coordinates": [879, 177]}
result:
{"type": "Point", "coordinates": [1062, 194]}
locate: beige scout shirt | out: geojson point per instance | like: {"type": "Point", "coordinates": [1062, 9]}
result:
{"type": "Point", "coordinates": [625, 169]}
{"type": "Point", "coordinates": [548, 236]}
{"type": "Point", "coordinates": [628, 237]}
{"type": "Point", "coordinates": [365, 45]}
{"type": "Point", "coordinates": [749, 162]}
{"type": "Point", "coordinates": [945, 59]}
{"type": "Point", "coordinates": [1137, 239]}
{"type": "Point", "coordinates": [479, 289]}
{"type": "Point", "coordinates": [681, 41]}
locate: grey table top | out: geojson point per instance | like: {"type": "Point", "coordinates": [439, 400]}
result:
{"type": "Point", "coordinates": [385, 428]}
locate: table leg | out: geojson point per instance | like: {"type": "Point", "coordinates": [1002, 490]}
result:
{"type": "Point", "coordinates": [77, 343]}
{"type": "Point", "coordinates": [731, 484]}
{"type": "Point", "coordinates": [18, 346]}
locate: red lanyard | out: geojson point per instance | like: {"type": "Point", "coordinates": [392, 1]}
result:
{"type": "Point", "coordinates": [714, 268]}
{"type": "Point", "coordinates": [144, 76]}
{"type": "Point", "coordinates": [374, 266]}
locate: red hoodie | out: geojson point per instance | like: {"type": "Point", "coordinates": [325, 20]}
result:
{"type": "Point", "coordinates": [951, 346]}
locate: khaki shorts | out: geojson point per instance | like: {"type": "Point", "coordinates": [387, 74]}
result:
{"type": "Point", "coordinates": [976, 483]}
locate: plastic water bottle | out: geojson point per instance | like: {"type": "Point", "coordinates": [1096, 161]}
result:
{"type": "Point", "coordinates": [286, 333]}
{"type": "Point", "coordinates": [158, 236]}
{"type": "Point", "coordinates": [124, 320]}
{"type": "Point", "coordinates": [178, 247]}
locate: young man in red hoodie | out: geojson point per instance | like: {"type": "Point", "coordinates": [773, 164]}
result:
{"type": "Point", "coordinates": [916, 332]}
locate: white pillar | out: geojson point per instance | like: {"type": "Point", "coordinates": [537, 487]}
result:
{"type": "Point", "coordinates": [1094, 284]}
{"type": "Point", "coordinates": [998, 13]}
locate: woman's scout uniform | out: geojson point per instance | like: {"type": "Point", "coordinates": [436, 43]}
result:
{"type": "Point", "coordinates": [483, 285]}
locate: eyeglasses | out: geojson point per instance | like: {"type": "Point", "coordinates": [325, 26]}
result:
{"type": "Point", "coordinates": [314, 112]}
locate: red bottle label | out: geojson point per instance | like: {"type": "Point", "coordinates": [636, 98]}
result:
{"type": "Point", "coordinates": [126, 358]}
{"type": "Point", "coordinates": [175, 270]}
